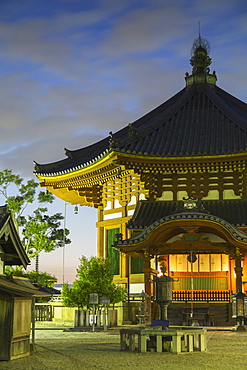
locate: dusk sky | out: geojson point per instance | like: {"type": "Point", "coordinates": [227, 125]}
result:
{"type": "Point", "coordinates": [73, 70]}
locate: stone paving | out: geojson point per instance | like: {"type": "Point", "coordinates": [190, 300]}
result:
{"type": "Point", "coordinates": [58, 349]}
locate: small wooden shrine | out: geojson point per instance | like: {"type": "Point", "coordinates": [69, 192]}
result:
{"type": "Point", "coordinates": [173, 186]}
{"type": "Point", "coordinates": [16, 295]}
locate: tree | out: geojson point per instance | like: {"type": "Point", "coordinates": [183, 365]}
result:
{"type": "Point", "coordinates": [94, 275]}
{"type": "Point", "coordinates": [25, 193]}
{"type": "Point", "coordinates": [43, 233]}
{"type": "Point", "coordinates": [117, 294]}
{"type": "Point", "coordinates": [39, 279]}
{"type": "Point", "coordinates": [39, 231]}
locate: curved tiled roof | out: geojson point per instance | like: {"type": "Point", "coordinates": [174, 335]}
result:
{"type": "Point", "coordinates": [234, 211]}
{"type": "Point", "coordinates": [200, 120]}
{"type": "Point", "coordinates": [237, 234]}
{"type": "Point", "coordinates": [202, 123]}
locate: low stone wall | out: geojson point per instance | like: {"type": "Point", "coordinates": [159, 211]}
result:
{"type": "Point", "coordinates": [62, 314]}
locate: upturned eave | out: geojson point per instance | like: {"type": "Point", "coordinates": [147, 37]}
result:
{"type": "Point", "coordinates": [119, 159]}
{"type": "Point", "coordinates": [154, 239]}
{"type": "Point", "coordinates": [96, 165]}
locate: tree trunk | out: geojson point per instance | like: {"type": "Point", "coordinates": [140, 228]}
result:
{"type": "Point", "coordinates": [37, 263]}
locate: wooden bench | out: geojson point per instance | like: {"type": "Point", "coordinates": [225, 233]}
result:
{"type": "Point", "coordinates": [200, 316]}
{"type": "Point", "coordinates": [193, 339]}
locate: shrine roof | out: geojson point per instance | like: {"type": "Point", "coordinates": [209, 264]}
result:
{"type": "Point", "coordinates": [190, 217]}
{"type": "Point", "coordinates": [12, 249]}
{"type": "Point", "coordinates": [21, 287]}
{"type": "Point", "coordinates": [234, 211]}
{"type": "Point", "coordinates": [200, 120]}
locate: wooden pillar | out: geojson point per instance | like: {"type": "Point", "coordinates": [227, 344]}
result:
{"type": "Point", "coordinates": [100, 236]}
{"type": "Point", "coordinates": [1, 266]}
{"type": "Point", "coordinates": [125, 269]}
{"type": "Point", "coordinates": [238, 270]}
{"type": "Point", "coordinates": [32, 344]}
{"type": "Point", "coordinates": [147, 276]}
{"type": "Point", "coordinates": [147, 284]}
{"type": "Point", "coordinates": [231, 278]}
{"type": "Point", "coordinates": [124, 258]}
{"type": "Point", "coordinates": [245, 273]}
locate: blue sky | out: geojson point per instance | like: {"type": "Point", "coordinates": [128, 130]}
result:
{"type": "Point", "coordinates": [73, 70]}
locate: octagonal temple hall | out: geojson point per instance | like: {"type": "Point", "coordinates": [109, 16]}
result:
{"type": "Point", "coordinates": [170, 188]}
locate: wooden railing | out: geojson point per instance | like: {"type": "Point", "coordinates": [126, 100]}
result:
{"type": "Point", "coordinates": [43, 312]}
{"type": "Point", "coordinates": [202, 295]}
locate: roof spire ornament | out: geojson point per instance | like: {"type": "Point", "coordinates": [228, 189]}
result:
{"type": "Point", "coordinates": [200, 43]}
{"type": "Point", "coordinates": [200, 62]}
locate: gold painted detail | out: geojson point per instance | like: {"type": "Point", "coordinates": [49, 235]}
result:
{"type": "Point", "coordinates": [126, 176]}
{"type": "Point", "coordinates": [201, 78]}
{"type": "Point", "coordinates": [170, 166]}
{"type": "Point", "coordinates": [86, 179]}
{"type": "Point", "coordinates": [123, 186]}
{"type": "Point", "coordinates": [197, 185]}
{"type": "Point", "coordinates": [92, 195]}
{"type": "Point", "coordinates": [113, 222]}
{"type": "Point", "coordinates": [88, 167]}
{"type": "Point", "coordinates": [122, 189]}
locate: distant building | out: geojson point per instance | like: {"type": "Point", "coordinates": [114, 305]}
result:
{"type": "Point", "coordinates": [173, 186]}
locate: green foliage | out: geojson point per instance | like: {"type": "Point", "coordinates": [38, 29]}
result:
{"type": "Point", "coordinates": [94, 275]}
{"type": "Point", "coordinates": [74, 296]}
{"type": "Point", "coordinates": [39, 279]}
{"type": "Point", "coordinates": [25, 192]}
{"type": "Point", "coordinates": [40, 231]}
{"type": "Point", "coordinates": [14, 271]}
{"type": "Point", "coordinates": [117, 293]}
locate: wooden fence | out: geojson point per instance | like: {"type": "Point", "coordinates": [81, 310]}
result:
{"type": "Point", "coordinates": [43, 312]}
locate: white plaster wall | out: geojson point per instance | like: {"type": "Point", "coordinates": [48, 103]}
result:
{"type": "Point", "coordinates": [112, 216]}
{"type": "Point", "coordinates": [136, 288]}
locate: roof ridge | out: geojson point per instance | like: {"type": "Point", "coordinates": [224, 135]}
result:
{"type": "Point", "coordinates": [225, 109]}
{"type": "Point", "coordinates": [173, 109]}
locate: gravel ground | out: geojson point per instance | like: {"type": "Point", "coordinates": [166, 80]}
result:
{"type": "Point", "coordinates": [57, 349]}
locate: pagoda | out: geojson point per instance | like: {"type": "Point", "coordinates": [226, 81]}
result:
{"type": "Point", "coordinates": [169, 188]}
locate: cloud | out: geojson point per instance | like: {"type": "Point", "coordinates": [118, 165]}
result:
{"type": "Point", "coordinates": [71, 71]}
{"type": "Point", "coordinates": [72, 75]}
